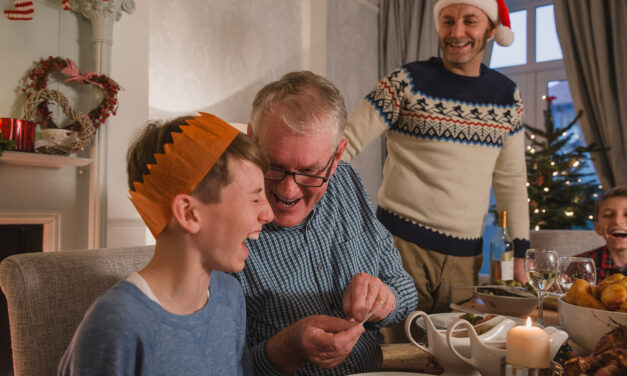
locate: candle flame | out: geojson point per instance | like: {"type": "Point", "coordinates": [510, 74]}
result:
{"type": "Point", "coordinates": [528, 323]}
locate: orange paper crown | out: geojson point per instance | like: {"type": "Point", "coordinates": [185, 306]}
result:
{"type": "Point", "coordinates": [184, 163]}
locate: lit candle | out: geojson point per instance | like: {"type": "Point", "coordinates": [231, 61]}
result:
{"type": "Point", "coordinates": [528, 346]}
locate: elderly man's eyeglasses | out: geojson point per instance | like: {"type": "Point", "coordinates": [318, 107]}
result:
{"type": "Point", "coordinates": [306, 180]}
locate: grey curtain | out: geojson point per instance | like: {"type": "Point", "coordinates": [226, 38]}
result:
{"type": "Point", "coordinates": [593, 35]}
{"type": "Point", "coordinates": [406, 33]}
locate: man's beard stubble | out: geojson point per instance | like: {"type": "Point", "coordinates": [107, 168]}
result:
{"type": "Point", "coordinates": [484, 41]}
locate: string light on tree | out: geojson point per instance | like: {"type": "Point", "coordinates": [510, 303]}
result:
{"type": "Point", "coordinates": [559, 188]}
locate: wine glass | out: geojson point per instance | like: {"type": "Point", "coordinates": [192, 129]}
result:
{"type": "Point", "coordinates": [541, 267]}
{"type": "Point", "coordinates": [572, 268]}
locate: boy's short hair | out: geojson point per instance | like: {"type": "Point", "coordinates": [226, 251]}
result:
{"type": "Point", "coordinates": [155, 135]}
{"type": "Point", "coordinates": [620, 191]}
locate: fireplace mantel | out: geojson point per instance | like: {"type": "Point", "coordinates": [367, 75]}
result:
{"type": "Point", "coordinates": [42, 160]}
{"type": "Point", "coordinates": [51, 222]}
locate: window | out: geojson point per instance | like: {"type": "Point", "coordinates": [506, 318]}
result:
{"type": "Point", "coordinates": [535, 62]}
{"type": "Point", "coordinates": [535, 57]}
{"type": "Point", "coordinates": [516, 54]}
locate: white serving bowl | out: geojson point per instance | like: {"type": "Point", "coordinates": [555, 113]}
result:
{"type": "Point", "coordinates": [508, 305]}
{"type": "Point", "coordinates": [586, 326]}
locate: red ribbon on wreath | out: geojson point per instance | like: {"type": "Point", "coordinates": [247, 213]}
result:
{"type": "Point", "coordinates": [37, 79]}
{"type": "Point", "coordinates": [75, 75]}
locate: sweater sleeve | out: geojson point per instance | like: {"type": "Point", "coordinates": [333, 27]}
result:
{"type": "Point", "coordinates": [261, 362]}
{"type": "Point", "coordinates": [378, 111]}
{"type": "Point", "coordinates": [363, 126]}
{"type": "Point", "coordinates": [397, 279]}
{"type": "Point", "coordinates": [389, 268]}
{"type": "Point", "coordinates": [105, 343]}
{"type": "Point", "coordinates": [509, 181]}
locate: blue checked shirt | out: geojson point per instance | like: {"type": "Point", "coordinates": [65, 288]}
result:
{"type": "Point", "coordinates": [300, 271]}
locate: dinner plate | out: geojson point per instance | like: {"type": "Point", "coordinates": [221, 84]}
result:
{"type": "Point", "coordinates": [390, 374]}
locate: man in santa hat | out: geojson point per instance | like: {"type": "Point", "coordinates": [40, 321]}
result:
{"type": "Point", "coordinates": [454, 130]}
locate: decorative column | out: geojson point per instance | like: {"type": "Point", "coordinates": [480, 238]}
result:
{"type": "Point", "coordinates": [102, 14]}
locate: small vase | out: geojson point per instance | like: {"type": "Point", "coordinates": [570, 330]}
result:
{"type": "Point", "coordinates": [20, 131]}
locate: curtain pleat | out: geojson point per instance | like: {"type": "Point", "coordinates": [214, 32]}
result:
{"type": "Point", "coordinates": [593, 35]}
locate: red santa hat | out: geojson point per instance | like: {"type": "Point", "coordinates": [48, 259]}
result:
{"type": "Point", "coordinates": [497, 12]}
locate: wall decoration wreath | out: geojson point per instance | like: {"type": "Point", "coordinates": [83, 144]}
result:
{"type": "Point", "coordinates": [36, 107]}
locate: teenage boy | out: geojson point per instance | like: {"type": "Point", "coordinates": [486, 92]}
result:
{"type": "Point", "coordinates": [198, 185]}
{"type": "Point", "coordinates": [610, 223]}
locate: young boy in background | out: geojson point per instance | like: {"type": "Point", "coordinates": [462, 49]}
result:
{"type": "Point", "coordinates": [610, 223]}
{"type": "Point", "coordinates": [198, 185]}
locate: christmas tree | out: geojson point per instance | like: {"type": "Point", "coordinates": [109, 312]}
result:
{"type": "Point", "coordinates": [561, 189]}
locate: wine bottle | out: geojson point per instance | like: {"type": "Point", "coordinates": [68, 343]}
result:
{"type": "Point", "coordinates": [501, 252]}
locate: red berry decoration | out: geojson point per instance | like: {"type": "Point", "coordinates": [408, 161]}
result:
{"type": "Point", "coordinates": [37, 79]}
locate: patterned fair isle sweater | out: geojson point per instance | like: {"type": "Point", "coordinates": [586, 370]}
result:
{"type": "Point", "coordinates": [449, 138]}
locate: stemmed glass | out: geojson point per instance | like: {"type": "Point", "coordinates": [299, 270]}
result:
{"type": "Point", "coordinates": [572, 268]}
{"type": "Point", "coordinates": [541, 267]}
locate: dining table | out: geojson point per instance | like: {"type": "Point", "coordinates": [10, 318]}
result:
{"type": "Point", "coordinates": [405, 357]}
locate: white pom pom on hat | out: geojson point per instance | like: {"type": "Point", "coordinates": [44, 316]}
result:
{"type": "Point", "coordinates": [496, 10]}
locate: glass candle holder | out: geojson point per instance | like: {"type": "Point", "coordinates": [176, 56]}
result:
{"type": "Point", "coordinates": [20, 131]}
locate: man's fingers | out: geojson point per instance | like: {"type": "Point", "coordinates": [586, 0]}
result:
{"type": "Point", "coordinates": [332, 324]}
{"type": "Point", "coordinates": [331, 340]}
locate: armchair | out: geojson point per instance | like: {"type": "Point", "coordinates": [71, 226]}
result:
{"type": "Point", "coordinates": [566, 242]}
{"type": "Point", "coordinates": [48, 293]}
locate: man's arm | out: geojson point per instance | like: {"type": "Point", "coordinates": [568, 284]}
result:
{"type": "Point", "coordinates": [375, 255]}
{"type": "Point", "coordinates": [377, 112]}
{"type": "Point", "coordinates": [363, 126]}
{"type": "Point", "coordinates": [322, 340]}
{"type": "Point", "coordinates": [393, 275]}
{"type": "Point", "coordinates": [509, 181]}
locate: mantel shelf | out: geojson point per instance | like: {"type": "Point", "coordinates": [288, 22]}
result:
{"type": "Point", "coordinates": [42, 160]}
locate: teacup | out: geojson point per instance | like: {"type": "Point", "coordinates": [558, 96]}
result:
{"type": "Point", "coordinates": [488, 359]}
{"type": "Point", "coordinates": [438, 343]}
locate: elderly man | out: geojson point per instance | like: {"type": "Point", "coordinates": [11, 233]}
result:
{"type": "Point", "coordinates": [454, 129]}
{"type": "Point", "coordinates": [324, 277]}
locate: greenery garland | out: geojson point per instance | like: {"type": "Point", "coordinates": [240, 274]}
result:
{"type": "Point", "coordinates": [6, 145]}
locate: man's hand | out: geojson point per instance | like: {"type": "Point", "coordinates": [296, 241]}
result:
{"type": "Point", "coordinates": [323, 340]}
{"type": "Point", "coordinates": [365, 294]}
{"type": "Point", "coordinates": [519, 270]}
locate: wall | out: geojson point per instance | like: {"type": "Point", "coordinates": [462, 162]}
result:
{"type": "Point", "coordinates": [215, 56]}
{"type": "Point", "coordinates": [52, 32]}
{"type": "Point", "coordinates": [352, 52]}
{"type": "Point", "coordinates": [229, 50]}
{"type": "Point", "coordinates": [129, 67]}
{"type": "Point", "coordinates": [173, 58]}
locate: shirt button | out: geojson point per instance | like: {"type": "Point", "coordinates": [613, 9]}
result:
{"type": "Point", "coordinates": [320, 267]}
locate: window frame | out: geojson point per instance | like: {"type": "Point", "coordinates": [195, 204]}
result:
{"type": "Point", "coordinates": [532, 77]}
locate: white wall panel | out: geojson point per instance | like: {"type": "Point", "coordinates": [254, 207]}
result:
{"type": "Point", "coordinates": [52, 32]}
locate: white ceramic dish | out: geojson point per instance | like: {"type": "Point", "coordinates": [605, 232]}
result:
{"type": "Point", "coordinates": [586, 326]}
{"type": "Point", "coordinates": [508, 305]}
{"type": "Point", "coordinates": [444, 320]}
{"type": "Point", "coordinates": [438, 346]}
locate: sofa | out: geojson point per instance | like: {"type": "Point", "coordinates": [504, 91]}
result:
{"type": "Point", "coordinates": [49, 292]}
